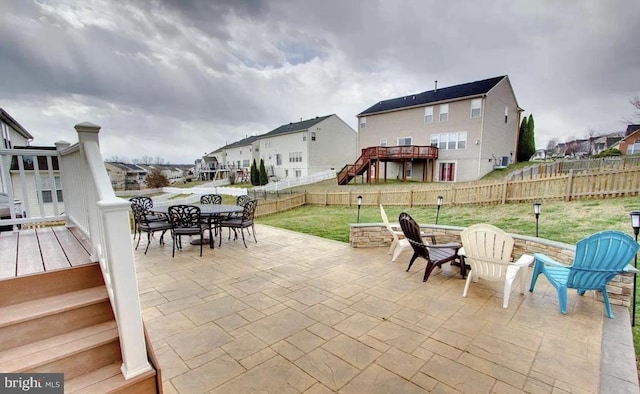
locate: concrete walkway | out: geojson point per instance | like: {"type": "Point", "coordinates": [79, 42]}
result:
{"type": "Point", "coordinates": [299, 314]}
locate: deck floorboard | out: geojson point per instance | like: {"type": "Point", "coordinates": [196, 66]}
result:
{"type": "Point", "coordinates": [36, 250]}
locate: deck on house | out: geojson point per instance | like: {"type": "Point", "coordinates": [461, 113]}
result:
{"type": "Point", "coordinates": [41, 249]}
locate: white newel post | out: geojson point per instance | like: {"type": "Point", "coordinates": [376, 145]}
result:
{"type": "Point", "coordinates": [112, 242]}
{"type": "Point", "coordinates": [64, 169]}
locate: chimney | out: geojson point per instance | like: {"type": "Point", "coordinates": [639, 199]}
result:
{"type": "Point", "coordinates": [436, 89]}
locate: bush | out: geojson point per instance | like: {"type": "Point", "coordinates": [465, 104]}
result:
{"type": "Point", "coordinates": [608, 153]}
{"type": "Point", "coordinates": [156, 179]}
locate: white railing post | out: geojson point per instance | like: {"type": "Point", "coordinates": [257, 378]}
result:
{"type": "Point", "coordinates": [64, 169]}
{"type": "Point", "coordinates": [111, 240]}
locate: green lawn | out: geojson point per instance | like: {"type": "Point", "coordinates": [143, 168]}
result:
{"type": "Point", "coordinates": [560, 221]}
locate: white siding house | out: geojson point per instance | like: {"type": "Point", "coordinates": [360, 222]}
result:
{"type": "Point", "coordinates": [307, 147]}
{"type": "Point", "coordinates": [13, 134]}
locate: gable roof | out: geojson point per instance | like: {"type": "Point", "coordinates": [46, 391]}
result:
{"type": "Point", "coordinates": [4, 116]}
{"type": "Point", "coordinates": [295, 127]}
{"type": "Point", "coordinates": [468, 89]}
{"type": "Point", "coordinates": [631, 129]}
{"type": "Point", "coordinates": [243, 142]}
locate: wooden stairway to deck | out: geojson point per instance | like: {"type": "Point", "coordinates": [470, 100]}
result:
{"type": "Point", "coordinates": [62, 322]}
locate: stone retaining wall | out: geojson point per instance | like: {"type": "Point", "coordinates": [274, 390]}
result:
{"type": "Point", "coordinates": [372, 235]}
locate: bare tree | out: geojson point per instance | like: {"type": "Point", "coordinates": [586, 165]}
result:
{"type": "Point", "coordinates": [117, 159]}
{"type": "Point", "coordinates": [635, 101]}
{"type": "Point", "coordinates": [552, 145]}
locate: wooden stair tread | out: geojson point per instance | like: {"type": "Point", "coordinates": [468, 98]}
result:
{"type": "Point", "coordinates": [107, 379]}
{"type": "Point", "coordinates": [28, 357]}
{"type": "Point", "coordinates": [34, 309]}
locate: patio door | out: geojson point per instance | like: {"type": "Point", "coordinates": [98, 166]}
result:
{"type": "Point", "coordinates": [446, 172]}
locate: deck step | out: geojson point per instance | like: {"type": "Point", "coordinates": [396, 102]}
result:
{"type": "Point", "coordinates": [51, 354]}
{"type": "Point", "coordinates": [37, 286]}
{"type": "Point", "coordinates": [40, 319]}
{"type": "Point", "coordinates": [109, 379]}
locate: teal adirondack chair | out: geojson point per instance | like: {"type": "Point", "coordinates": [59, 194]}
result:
{"type": "Point", "coordinates": [598, 259]}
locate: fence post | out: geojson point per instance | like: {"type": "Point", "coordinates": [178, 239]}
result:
{"type": "Point", "coordinates": [568, 190]}
{"type": "Point", "coordinates": [505, 186]}
{"type": "Point", "coordinates": [453, 194]}
{"type": "Point", "coordinates": [411, 197]}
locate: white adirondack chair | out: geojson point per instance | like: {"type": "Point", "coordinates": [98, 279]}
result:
{"type": "Point", "coordinates": [487, 250]}
{"type": "Point", "coordinates": [398, 244]}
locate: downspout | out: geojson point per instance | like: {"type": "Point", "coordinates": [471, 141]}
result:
{"type": "Point", "coordinates": [484, 102]}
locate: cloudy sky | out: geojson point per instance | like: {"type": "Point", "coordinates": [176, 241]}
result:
{"type": "Point", "coordinates": [175, 79]}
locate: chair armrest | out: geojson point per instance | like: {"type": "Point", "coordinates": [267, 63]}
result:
{"type": "Point", "coordinates": [548, 260]}
{"type": "Point", "coordinates": [524, 261]}
{"type": "Point", "coordinates": [450, 245]}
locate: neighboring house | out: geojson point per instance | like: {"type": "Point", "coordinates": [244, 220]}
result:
{"type": "Point", "coordinates": [40, 185]}
{"type": "Point", "coordinates": [235, 157]}
{"type": "Point", "coordinates": [630, 144]}
{"type": "Point", "coordinates": [13, 134]}
{"type": "Point", "coordinates": [117, 174]}
{"type": "Point", "coordinates": [291, 150]}
{"type": "Point", "coordinates": [588, 146]}
{"type": "Point", "coordinates": [304, 148]}
{"type": "Point", "coordinates": [474, 125]}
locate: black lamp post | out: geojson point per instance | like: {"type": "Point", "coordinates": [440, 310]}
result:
{"type": "Point", "coordinates": [536, 211]}
{"type": "Point", "coordinates": [635, 223]}
{"type": "Point", "coordinates": [359, 205]}
{"type": "Point", "coordinates": [438, 203]}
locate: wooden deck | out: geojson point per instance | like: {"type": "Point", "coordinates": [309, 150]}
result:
{"type": "Point", "coordinates": [43, 249]}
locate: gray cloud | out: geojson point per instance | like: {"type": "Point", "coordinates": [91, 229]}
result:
{"type": "Point", "coordinates": [180, 78]}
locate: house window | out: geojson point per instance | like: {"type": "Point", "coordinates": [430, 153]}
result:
{"type": "Point", "coordinates": [457, 140]}
{"type": "Point", "coordinates": [444, 112]}
{"type": "Point", "coordinates": [295, 157]}
{"type": "Point", "coordinates": [405, 141]}
{"type": "Point", "coordinates": [363, 122]}
{"type": "Point", "coordinates": [286, 173]}
{"type": "Point", "coordinates": [278, 159]}
{"type": "Point", "coordinates": [245, 163]}
{"type": "Point", "coordinates": [446, 172]}
{"type": "Point", "coordinates": [313, 136]}
{"type": "Point", "coordinates": [506, 114]}
{"type": "Point", "coordinates": [383, 142]}
{"type": "Point", "coordinates": [409, 169]}
{"type": "Point", "coordinates": [476, 107]}
{"type": "Point", "coordinates": [304, 137]}
{"type": "Point", "coordinates": [634, 148]}
{"type": "Point", "coordinates": [298, 173]}
{"type": "Point", "coordinates": [6, 138]}
{"type": "Point", "coordinates": [435, 139]}
{"type": "Point", "coordinates": [47, 189]}
{"type": "Point", "coordinates": [428, 115]}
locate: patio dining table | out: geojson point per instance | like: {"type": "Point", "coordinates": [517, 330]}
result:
{"type": "Point", "coordinates": [207, 211]}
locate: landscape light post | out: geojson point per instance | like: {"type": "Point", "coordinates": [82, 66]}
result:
{"type": "Point", "coordinates": [359, 205]}
{"type": "Point", "coordinates": [536, 211]}
{"type": "Point", "coordinates": [439, 204]}
{"type": "Point", "coordinates": [635, 224]}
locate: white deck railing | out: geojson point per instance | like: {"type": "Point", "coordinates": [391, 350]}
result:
{"type": "Point", "coordinates": [90, 205]}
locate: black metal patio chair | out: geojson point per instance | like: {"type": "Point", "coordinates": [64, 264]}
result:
{"type": "Point", "coordinates": [186, 220]}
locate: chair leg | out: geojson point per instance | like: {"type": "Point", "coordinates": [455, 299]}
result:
{"type": "Point", "coordinates": [138, 241]}
{"type": "Point", "coordinates": [394, 245]}
{"type": "Point", "coordinates": [537, 269]}
{"type": "Point", "coordinates": [396, 252]}
{"type": "Point", "coordinates": [427, 270]}
{"type": "Point", "coordinates": [607, 305]}
{"type": "Point", "coordinates": [148, 242]}
{"type": "Point", "coordinates": [562, 299]}
{"type": "Point", "coordinates": [507, 292]}
{"type": "Point", "coordinates": [253, 231]}
{"type": "Point", "coordinates": [413, 258]}
{"type": "Point", "coordinates": [243, 241]}
{"type": "Point", "coordinates": [466, 284]}
{"type": "Point", "coordinates": [173, 245]}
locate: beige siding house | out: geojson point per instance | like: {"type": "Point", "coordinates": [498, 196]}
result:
{"type": "Point", "coordinates": [474, 126]}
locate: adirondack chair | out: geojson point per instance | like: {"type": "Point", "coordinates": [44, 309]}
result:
{"type": "Point", "coordinates": [487, 250]}
{"type": "Point", "coordinates": [397, 244]}
{"type": "Point", "coordinates": [598, 259]}
{"type": "Point", "coordinates": [436, 255]}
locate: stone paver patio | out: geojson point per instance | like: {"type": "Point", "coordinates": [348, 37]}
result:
{"type": "Point", "coordinates": [299, 314]}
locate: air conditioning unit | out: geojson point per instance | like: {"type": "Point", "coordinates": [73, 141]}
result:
{"type": "Point", "coordinates": [502, 162]}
